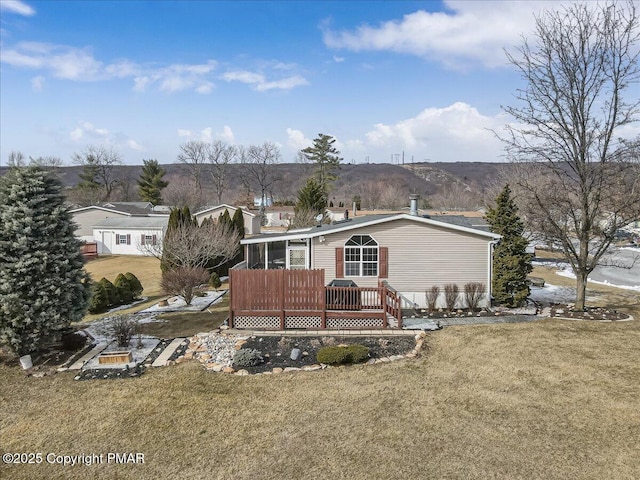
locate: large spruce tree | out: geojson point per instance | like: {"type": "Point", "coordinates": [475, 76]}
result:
{"type": "Point", "coordinates": [150, 184]}
{"type": "Point", "coordinates": [511, 262]}
{"type": "Point", "coordinates": [43, 286]}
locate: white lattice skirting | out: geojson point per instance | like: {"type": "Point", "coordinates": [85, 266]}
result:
{"type": "Point", "coordinates": [250, 321]}
{"type": "Point", "coordinates": [353, 322]}
{"type": "Point", "coordinates": [303, 322]}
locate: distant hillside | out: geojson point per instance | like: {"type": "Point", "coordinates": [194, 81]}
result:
{"type": "Point", "coordinates": [378, 184]}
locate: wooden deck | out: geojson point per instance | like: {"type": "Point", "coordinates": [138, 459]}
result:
{"type": "Point", "coordinates": [298, 299]}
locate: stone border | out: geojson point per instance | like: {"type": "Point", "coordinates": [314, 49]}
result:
{"type": "Point", "coordinates": [214, 350]}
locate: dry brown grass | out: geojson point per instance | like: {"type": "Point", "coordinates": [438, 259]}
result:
{"type": "Point", "coordinates": [550, 399]}
{"type": "Point", "coordinates": [185, 324]}
{"type": "Point", "coordinates": [147, 269]}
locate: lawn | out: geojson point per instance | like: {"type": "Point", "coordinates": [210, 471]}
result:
{"type": "Point", "coordinates": [147, 269]}
{"type": "Point", "coordinates": [540, 400]}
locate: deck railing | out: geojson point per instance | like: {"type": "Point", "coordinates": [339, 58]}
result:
{"type": "Point", "coordinates": [301, 294]}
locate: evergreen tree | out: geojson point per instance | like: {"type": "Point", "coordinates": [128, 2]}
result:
{"type": "Point", "coordinates": [124, 288]}
{"type": "Point", "coordinates": [150, 184]}
{"type": "Point", "coordinates": [99, 299]}
{"type": "Point", "coordinates": [238, 221]}
{"type": "Point", "coordinates": [43, 286]}
{"type": "Point", "coordinates": [511, 262]}
{"type": "Point", "coordinates": [327, 159]}
{"type": "Point", "coordinates": [136, 286]}
{"type": "Point", "coordinates": [113, 296]}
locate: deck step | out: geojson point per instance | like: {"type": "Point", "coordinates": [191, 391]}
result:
{"type": "Point", "coordinates": [162, 359]}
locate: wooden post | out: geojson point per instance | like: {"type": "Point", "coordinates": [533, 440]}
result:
{"type": "Point", "coordinates": [231, 298]}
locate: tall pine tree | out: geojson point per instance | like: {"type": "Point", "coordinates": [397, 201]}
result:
{"type": "Point", "coordinates": [43, 286]}
{"type": "Point", "coordinates": [511, 262]}
{"type": "Point", "coordinates": [150, 184]}
{"type": "Point", "coordinates": [327, 159]}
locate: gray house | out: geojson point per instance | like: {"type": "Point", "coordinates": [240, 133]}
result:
{"type": "Point", "coordinates": [410, 253]}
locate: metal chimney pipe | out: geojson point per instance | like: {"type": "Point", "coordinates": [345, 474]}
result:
{"type": "Point", "coordinates": [413, 204]}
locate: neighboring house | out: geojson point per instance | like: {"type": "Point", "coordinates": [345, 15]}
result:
{"type": "Point", "coordinates": [251, 220]}
{"type": "Point", "coordinates": [281, 216]}
{"type": "Point", "coordinates": [87, 217]}
{"type": "Point", "coordinates": [129, 235]}
{"type": "Point", "coordinates": [410, 252]}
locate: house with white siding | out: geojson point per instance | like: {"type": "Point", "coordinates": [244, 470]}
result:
{"type": "Point", "coordinates": [129, 235]}
{"type": "Point", "coordinates": [87, 217]}
{"type": "Point", "coordinates": [408, 252]}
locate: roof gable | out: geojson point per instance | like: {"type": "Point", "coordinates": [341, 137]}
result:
{"type": "Point", "coordinates": [223, 207]}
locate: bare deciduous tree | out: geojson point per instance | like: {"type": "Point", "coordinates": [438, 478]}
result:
{"type": "Point", "coordinates": [193, 156]}
{"type": "Point", "coordinates": [209, 245]}
{"type": "Point", "coordinates": [181, 192]}
{"type": "Point", "coordinates": [220, 155]}
{"type": "Point", "coordinates": [102, 161]}
{"type": "Point", "coordinates": [580, 183]}
{"type": "Point", "coordinates": [259, 168]}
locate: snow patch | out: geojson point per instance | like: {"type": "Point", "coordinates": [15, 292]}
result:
{"type": "Point", "coordinates": [177, 304]}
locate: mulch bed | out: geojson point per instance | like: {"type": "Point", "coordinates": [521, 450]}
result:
{"type": "Point", "coordinates": [590, 313]}
{"type": "Point", "coordinates": [277, 350]}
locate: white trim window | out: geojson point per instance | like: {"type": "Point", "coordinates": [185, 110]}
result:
{"type": "Point", "coordinates": [361, 257]}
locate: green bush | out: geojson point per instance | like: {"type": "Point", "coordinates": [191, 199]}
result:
{"type": "Point", "coordinates": [124, 288]}
{"type": "Point", "coordinates": [99, 299]}
{"type": "Point", "coordinates": [214, 281]}
{"type": "Point", "coordinates": [136, 286]}
{"type": "Point", "coordinates": [113, 297]}
{"type": "Point", "coordinates": [246, 357]}
{"type": "Point", "coordinates": [343, 354]}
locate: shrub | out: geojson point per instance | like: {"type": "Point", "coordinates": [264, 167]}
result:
{"type": "Point", "coordinates": [184, 281]}
{"type": "Point", "coordinates": [432, 298]}
{"type": "Point", "coordinates": [122, 328]}
{"type": "Point", "coordinates": [99, 300]}
{"type": "Point", "coordinates": [343, 354]}
{"type": "Point", "coordinates": [136, 286]}
{"type": "Point", "coordinates": [451, 294]}
{"type": "Point", "coordinates": [113, 298]}
{"type": "Point", "coordinates": [124, 288]}
{"type": "Point", "coordinates": [214, 281]}
{"type": "Point", "coordinates": [473, 293]}
{"type": "Point", "coordinates": [246, 357]}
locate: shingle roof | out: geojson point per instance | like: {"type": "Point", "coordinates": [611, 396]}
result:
{"type": "Point", "coordinates": [135, 223]}
{"type": "Point", "coordinates": [455, 222]}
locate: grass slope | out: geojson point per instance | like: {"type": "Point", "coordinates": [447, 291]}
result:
{"type": "Point", "coordinates": [550, 399]}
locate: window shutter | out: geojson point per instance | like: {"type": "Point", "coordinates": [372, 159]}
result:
{"type": "Point", "coordinates": [117, 239]}
{"type": "Point", "coordinates": [155, 239]}
{"type": "Point", "coordinates": [128, 239]}
{"type": "Point", "coordinates": [340, 262]}
{"type": "Point", "coordinates": [142, 239]}
{"type": "Point", "coordinates": [384, 262]}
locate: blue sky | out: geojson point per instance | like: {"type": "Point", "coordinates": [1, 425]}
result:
{"type": "Point", "coordinates": [426, 78]}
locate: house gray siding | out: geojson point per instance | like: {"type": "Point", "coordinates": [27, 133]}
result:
{"type": "Point", "coordinates": [420, 256]}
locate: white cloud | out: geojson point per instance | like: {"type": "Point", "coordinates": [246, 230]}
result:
{"type": "Point", "coordinates": [470, 32]}
{"type": "Point", "coordinates": [205, 135]}
{"type": "Point", "coordinates": [37, 83]}
{"type": "Point", "coordinates": [260, 83]}
{"type": "Point", "coordinates": [132, 144]}
{"type": "Point", "coordinates": [296, 140]}
{"type": "Point", "coordinates": [184, 133]}
{"type": "Point", "coordinates": [79, 64]}
{"type": "Point", "coordinates": [454, 133]}
{"type": "Point", "coordinates": [227, 135]}
{"type": "Point", "coordinates": [17, 6]}
{"type": "Point", "coordinates": [338, 59]}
